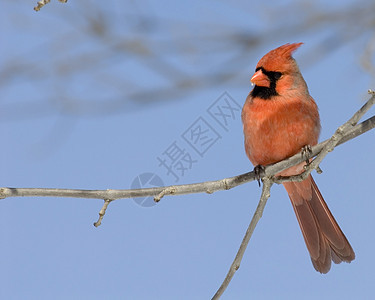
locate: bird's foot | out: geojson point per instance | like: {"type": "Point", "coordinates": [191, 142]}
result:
{"type": "Point", "coordinates": [259, 173]}
{"type": "Point", "coordinates": [306, 152]}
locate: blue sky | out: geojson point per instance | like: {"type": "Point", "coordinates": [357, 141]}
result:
{"type": "Point", "coordinates": [182, 247]}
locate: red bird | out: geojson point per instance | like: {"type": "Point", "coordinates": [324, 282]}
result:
{"type": "Point", "coordinates": [280, 118]}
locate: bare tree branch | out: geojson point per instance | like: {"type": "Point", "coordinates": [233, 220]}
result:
{"type": "Point", "coordinates": [344, 133]}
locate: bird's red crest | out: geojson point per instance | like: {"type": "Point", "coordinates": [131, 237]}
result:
{"type": "Point", "coordinates": [279, 58]}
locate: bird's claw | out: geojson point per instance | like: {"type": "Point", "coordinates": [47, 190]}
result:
{"type": "Point", "coordinates": [306, 152]}
{"type": "Point", "coordinates": [259, 173]}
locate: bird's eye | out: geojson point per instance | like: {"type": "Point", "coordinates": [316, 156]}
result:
{"type": "Point", "coordinates": [277, 75]}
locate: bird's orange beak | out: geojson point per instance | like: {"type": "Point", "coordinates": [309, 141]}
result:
{"type": "Point", "coordinates": [260, 79]}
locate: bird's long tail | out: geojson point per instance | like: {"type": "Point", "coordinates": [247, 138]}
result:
{"type": "Point", "coordinates": [323, 236]}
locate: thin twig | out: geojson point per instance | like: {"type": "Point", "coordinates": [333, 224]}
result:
{"type": "Point", "coordinates": [267, 184]}
{"type": "Point", "coordinates": [102, 212]}
{"type": "Point", "coordinates": [42, 3]}
{"type": "Point", "coordinates": [166, 191]}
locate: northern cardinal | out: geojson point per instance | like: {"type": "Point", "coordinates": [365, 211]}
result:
{"type": "Point", "coordinates": [279, 119]}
